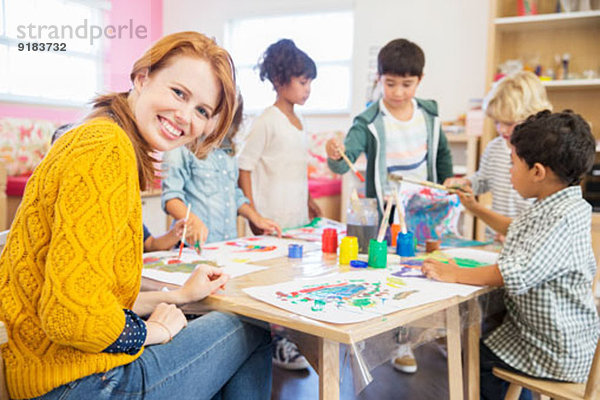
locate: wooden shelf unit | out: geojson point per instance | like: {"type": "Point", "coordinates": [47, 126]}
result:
{"type": "Point", "coordinates": [541, 37]}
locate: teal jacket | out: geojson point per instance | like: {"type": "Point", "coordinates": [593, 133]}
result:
{"type": "Point", "coordinates": [367, 135]}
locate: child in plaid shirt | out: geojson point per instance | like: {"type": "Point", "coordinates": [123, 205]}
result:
{"type": "Point", "coordinates": [547, 265]}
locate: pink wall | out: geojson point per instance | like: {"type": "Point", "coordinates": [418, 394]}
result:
{"type": "Point", "coordinates": [120, 55]}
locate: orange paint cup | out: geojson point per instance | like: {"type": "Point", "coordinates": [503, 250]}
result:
{"type": "Point", "coordinates": [394, 229]}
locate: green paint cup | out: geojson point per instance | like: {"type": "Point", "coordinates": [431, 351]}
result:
{"type": "Point", "coordinates": [377, 254]}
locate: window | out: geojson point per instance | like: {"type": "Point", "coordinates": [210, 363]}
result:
{"type": "Point", "coordinates": [69, 77]}
{"type": "Point", "coordinates": [325, 37]}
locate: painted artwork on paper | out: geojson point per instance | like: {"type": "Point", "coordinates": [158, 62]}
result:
{"type": "Point", "coordinates": [313, 231]}
{"type": "Point", "coordinates": [250, 249]}
{"type": "Point", "coordinates": [166, 266]}
{"type": "Point", "coordinates": [430, 213]}
{"type": "Point", "coordinates": [351, 297]}
{"type": "Point", "coordinates": [410, 267]}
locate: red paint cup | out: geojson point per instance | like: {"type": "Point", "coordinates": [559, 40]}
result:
{"type": "Point", "coordinates": [329, 240]}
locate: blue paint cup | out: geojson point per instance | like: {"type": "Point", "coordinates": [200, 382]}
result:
{"type": "Point", "coordinates": [295, 251]}
{"type": "Point", "coordinates": [405, 244]}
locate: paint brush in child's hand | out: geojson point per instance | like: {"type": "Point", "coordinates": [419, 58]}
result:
{"type": "Point", "coordinates": [187, 215]}
{"type": "Point", "coordinates": [352, 167]}
{"type": "Point", "coordinates": [384, 221]}
{"type": "Point", "coordinates": [433, 185]}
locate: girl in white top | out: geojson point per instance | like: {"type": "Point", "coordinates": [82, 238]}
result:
{"type": "Point", "coordinates": [509, 103]}
{"type": "Point", "coordinates": [273, 163]}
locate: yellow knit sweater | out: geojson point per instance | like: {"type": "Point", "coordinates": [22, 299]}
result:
{"type": "Point", "coordinates": [72, 261]}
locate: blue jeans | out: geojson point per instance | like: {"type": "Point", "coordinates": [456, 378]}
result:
{"type": "Point", "coordinates": [492, 387]}
{"type": "Point", "coordinates": [218, 356]}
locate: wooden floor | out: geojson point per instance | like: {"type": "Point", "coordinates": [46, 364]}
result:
{"type": "Point", "coordinates": [429, 382]}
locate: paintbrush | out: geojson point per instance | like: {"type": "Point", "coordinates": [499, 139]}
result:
{"type": "Point", "coordinates": [187, 215]}
{"type": "Point", "coordinates": [399, 178]}
{"type": "Point", "coordinates": [352, 167]}
{"type": "Point", "coordinates": [400, 210]}
{"type": "Point", "coordinates": [384, 221]}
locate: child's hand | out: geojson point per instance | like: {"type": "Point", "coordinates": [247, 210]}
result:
{"type": "Point", "coordinates": [177, 230]}
{"type": "Point", "coordinates": [434, 269]}
{"type": "Point", "coordinates": [266, 225]}
{"type": "Point", "coordinates": [196, 230]}
{"type": "Point", "coordinates": [204, 281]}
{"type": "Point", "coordinates": [334, 149]}
{"type": "Point", "coordinates": [314, 210]}
{"type": "Point", "coordinates": [457, 183]}
{"type": "Point", "coordinates": [467, 199]}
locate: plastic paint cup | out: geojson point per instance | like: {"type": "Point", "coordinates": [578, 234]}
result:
{"type": "Point", "coordinates": [405, 244]}
{"type": "Point", "coordinates": [377, 254]}
{"type": "Point", "coordinates": [348, 250]}
{"type": "Point", "coordinates": [329, 240]}
{"type": "Point", "coordinates": [295, 251]}
{"type": "Point", "coordinates": [432, 245]}
{"type": "Point", "coordinates": [394, 230]}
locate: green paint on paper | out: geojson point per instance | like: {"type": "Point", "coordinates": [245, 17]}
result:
{"type": "Point", "coordinates": [318, 305]}
{"type": "Point", "coordinates": [364, 302]}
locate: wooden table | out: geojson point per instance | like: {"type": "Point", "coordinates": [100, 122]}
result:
{"type": "Point", "coordinates": [319, 341]}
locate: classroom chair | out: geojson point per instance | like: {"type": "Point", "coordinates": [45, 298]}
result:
{"type": "Point", "coordinates": [555, 390]}
{"type": "Point", "coordinates": [3, 337]}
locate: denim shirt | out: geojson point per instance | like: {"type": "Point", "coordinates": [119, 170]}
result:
{"type": "Point", "coordinates": [209, 185]}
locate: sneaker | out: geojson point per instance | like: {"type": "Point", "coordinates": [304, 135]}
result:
{"type": "Point", "coordinates": [404, 360]}
{"type": "Point", "coordinates": [286, 354]}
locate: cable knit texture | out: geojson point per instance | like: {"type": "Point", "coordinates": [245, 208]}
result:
{"type": "Point", "coordinates": [72, 261]}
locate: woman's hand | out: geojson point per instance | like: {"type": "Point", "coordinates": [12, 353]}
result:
{"type": "Point", "coordinates": [165, 322]}
{"type": "Point", "coordinates": [440, 271]}
{"type": "Point", "coordinates": [266, 225]}
{"type": "Point", "coordinates": [204, 281]}
{"type": "Point", "coordinates": [334, 149]}
{"type": "Point", "coordinates": [196, 230]}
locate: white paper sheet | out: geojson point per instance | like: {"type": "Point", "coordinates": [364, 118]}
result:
{"type": "Point", "coordinates": [355, 296]}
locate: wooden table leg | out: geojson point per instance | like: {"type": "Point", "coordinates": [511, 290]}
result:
{"type": "Point", "coordinates": [455, 372]}
{"type": "Point", "coordinates": [329, 369]}
{"type": "Point", "coordinates": [472, 361]}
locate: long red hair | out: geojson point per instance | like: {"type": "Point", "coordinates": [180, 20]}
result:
{"type": "Point", "coordinates": [115, 105]}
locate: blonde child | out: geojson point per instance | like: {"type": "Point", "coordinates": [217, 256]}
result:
{"type": "Point", "coordinates": [274, 160]}
{"type": "Point", "coordinates": [509, 103]}
{"type": "Point", "coordinates": [70, 287]}
{"type": "Point", "coordinates": [210, 186]}
{"type": "Point", "coordinates": [546, 265]}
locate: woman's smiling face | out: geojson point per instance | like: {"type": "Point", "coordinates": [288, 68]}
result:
{"type": "Point", "coordinates": [175, 105]}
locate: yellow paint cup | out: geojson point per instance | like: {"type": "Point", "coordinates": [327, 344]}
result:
{"type": "Point", "coordinates": [348, 249]}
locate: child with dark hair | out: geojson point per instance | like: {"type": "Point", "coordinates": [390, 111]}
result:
{"type": "Point", "coordinates": [400, 134]}
{"type": "Point", "coordinates": [274, 161]}
{"type": "Point", "coordinates": [210, 186]}
{"type": "Point", "coordinates": [547, 265]}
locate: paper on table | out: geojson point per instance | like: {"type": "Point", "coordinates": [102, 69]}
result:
{"type": "Point", "coordinates": [355, 296]}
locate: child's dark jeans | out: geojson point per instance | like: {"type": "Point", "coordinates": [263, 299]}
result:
{"type": "Point", "coordinates": [492, 387]}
